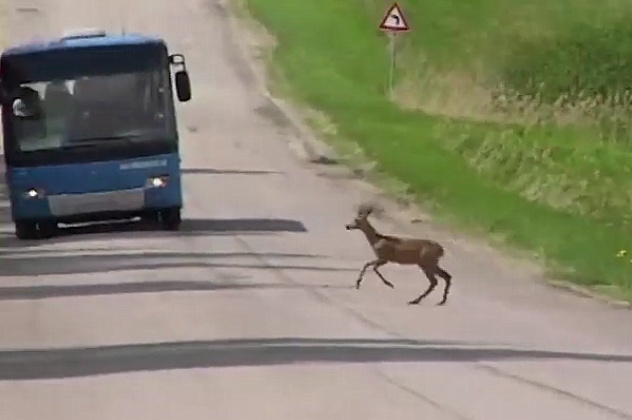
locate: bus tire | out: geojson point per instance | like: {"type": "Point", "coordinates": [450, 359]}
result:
{"type": "Point", "coordinates": [47, 229]}
{"type": "Point", "coordinates": [171, 218]}
{"type": "Point", "coordinates": [150, 217]}
{"type": "Point", "coordinates": [26, 230]}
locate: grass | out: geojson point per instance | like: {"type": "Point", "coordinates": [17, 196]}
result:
{"type": "Point", "coordinates": [507, 118]}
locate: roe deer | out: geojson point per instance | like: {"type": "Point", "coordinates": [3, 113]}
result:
{"type": "Point", "coordinates": [421, 252]}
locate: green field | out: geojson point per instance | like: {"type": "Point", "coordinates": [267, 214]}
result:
{"type": "Point", "coordinates": [508, 118]}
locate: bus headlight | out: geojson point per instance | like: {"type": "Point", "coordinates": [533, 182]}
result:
{"type": "Point", "coordinates": [33, 193]}
{"type": "Point", "coordinates": [158, 181]}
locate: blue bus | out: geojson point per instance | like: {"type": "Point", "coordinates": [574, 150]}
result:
{"type": "Point", "coordinates": [89, 131]}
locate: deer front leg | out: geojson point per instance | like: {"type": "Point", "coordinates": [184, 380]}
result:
{"type": "Point", "coordinates": [386, 282]}
{"type": "Point", "coordinates": [361, 276]}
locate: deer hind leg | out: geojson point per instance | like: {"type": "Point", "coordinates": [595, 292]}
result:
{"type": "Point", "coordinates": [433, 283]}
{"type": "Point", "coordinates": [361, 276]}
{"type": "Point", "coordinates": [447, 277]}
{"type": "Point", "coordinates": [375, 268]}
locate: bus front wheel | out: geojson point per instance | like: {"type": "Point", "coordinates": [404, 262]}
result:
{"type": "Point", "coordinates": [26, 230]}
{"type": "Point", "coordinates": [171, 218]}
{"type": "Point", "coordinates": [47, 229]}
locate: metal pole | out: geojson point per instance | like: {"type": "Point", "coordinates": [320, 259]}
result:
{"type": "Point", "coordinates": [391, 73]}
{"type": "Point", "coordinates": [123, 16]}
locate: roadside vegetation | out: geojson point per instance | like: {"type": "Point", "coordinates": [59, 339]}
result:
{"type": "Point", "coordinates": [508, 118]}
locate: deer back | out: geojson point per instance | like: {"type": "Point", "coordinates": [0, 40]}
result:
{"type": "Point", "coordinates": [408, 250]}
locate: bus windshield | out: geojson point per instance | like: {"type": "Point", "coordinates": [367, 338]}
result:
{"type": "Point", "coordinates": [92, 110]}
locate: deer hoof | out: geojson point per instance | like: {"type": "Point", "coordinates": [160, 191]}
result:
{"type": "Point", "coordinates": [413, 302]}
{"type": "Point", "coordinates": [442, 303]}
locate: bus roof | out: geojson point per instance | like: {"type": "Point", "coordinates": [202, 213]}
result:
{"type": "Point", "coordinates": [81, 42]}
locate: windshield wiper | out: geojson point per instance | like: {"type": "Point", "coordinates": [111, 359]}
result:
{"type": "Point", "coordinates": [84, 140]}
{"type": "Point", "coordinates": [98, 141]}
{"type": "Point", "coordinates": [79, 145]}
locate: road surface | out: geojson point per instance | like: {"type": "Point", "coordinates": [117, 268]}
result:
{"type": "Point", "coordinates": [249, 313]}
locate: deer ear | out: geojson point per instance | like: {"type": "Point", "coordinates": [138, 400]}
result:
{"type": "Point", "coordinates": [365, 209]}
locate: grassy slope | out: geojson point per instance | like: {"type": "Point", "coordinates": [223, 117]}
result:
{"type": "Point", "coordinates": [557, 189]}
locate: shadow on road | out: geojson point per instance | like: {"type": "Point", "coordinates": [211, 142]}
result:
{"type": "Point", "coordinates": [77, 362]}
{"type": "Point", "coordinates": [243, 225]}
{"type": "Point", "coordinates": [201, 171]}
{"type": "Point", "coordinates": [23, 264]}
{"type": "Point", "coordinates": [5, 210]}
{"type": "Point", "coordinates": [190, 227]}
{"type": "Point", "coordinates": [4, 194]}
{"type": "Point", "coordinates": [46, 292]}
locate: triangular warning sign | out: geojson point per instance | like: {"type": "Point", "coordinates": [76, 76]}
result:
{"type": "Point", "coordinates": [394, 20]}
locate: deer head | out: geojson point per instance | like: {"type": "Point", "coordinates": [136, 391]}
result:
{"type": "Point", "coordinates": [360, 220]}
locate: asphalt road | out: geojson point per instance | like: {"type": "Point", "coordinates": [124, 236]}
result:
{"type": "Point", "coordinates": [248, 313]}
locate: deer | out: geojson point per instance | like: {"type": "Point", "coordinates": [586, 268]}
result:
{"type": "Point", "coordinates": [424, 253]}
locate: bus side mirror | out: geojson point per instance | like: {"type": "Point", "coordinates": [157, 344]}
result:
{"type": "Point", "coordinates": [183, 86]}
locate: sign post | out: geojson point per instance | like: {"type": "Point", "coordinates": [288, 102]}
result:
{"type": "Point", "coordinates": [393, 23]}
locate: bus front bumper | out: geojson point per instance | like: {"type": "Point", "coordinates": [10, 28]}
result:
{"type": "Point", "coordinates": [115, 204]}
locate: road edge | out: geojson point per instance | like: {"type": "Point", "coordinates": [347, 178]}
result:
{"type": "Point", "coordinates": [306, 144]}
{"type": "Point", "coordinates": [586, 292]}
